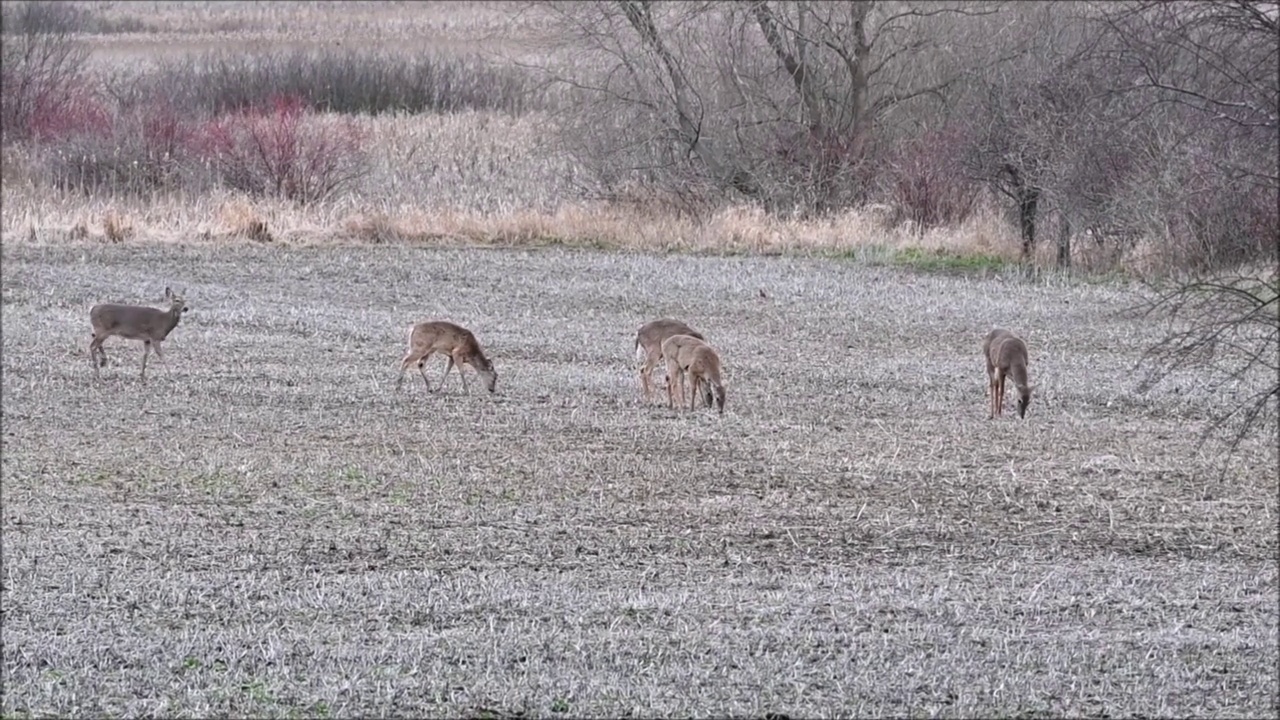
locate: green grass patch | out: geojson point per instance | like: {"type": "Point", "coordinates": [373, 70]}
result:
{"type": "Point", "coordinates": [927, 260]}
{"type": "Point", "coordinates": [948, 261]}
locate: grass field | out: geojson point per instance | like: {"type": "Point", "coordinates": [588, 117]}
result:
{"type": "Point", "coordinates": [266, 528]}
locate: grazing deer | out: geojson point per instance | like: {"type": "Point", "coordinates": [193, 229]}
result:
{"type": "Point", "coordinates": [455, 341]}
{"type": "Point", "coordinates": [695, 362]}
{"type": "Point", "coordinates": [133, 322]}
{"type": "Point", "coordinates": [649, 341]}
{"type": "Point", "coordinates": [669, 350]}
{"type": "Point", "coordinates": [1006, 356]}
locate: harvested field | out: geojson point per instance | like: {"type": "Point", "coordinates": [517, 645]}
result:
{"type": "Point", "coordinates": [266, 528]}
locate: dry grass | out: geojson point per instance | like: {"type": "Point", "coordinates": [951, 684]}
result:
{"type": "Point", "coordinates": [474, 178]}
{"type": "Point", "coordinates": [266, 528]}
{"type": "Point", "coordinates": [176, 29]}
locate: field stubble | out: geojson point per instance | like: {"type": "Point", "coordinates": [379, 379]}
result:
{"type": "Point", "coordinates": [267, 528]}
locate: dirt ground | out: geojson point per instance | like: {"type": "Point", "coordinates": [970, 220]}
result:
{"type": "Point", "coordinates": [268, 528]}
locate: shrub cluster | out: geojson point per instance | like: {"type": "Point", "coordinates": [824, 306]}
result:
{"type": "Point", "coordinates": [337, 81]}
{"type": "Point", "coordinates": [266, 126]}
{"type": "Point", "coordinates": [925, 179]}
{"type": "Point", "coordinates": [281, 150]}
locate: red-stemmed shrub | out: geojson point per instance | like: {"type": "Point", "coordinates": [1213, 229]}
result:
{"type": "Point", "coordinates": [283, 151]}
{"type": "Point", "coordinates": [134, 152]}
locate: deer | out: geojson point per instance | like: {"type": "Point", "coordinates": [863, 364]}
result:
{"type": "Point", "coordinates": [668, 350]}
{"type": "Point", "coordinates": [692, 360]}
{"type": "Point", "coordinates": [648, 347]}
{"type": "Point", "coordinates": [457, 343]}
{"type": "Point", "coordinates": [1006, 356]}
{"type": "Point", "coordinates": [133, 322]}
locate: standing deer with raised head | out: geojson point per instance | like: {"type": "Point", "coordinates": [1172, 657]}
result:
{"type": "Point", "coordinates": [457, 343]}
{"type": "Point", "coordinates": [693, 362]}
{"type": "Point", "coordinates": [649, 341]}
{"type": "Point", "coordinates": [133, 322]}
{"type": "Point", "coordinates": [1006, 356]}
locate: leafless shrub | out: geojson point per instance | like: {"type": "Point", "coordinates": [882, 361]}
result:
{"type": "Point", "coordinates": [137, 152]}
{"type": "Point", "coordinates": [927, 181]}
{"type": "Point", "coordinates": [333, 81]}
{"type": "Point", "coordinates": [283, 152]}
{"type": "Point", "coordinates": [42, 71]}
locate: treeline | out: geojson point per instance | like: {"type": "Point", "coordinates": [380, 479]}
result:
{"type": "Point", "coordinates": [1108, 123]}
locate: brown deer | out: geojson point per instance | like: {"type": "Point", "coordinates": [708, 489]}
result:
{"type": "Point", "coordinates": [455, 341]}
{"type": "Point", "coordinates": [133, 322]}
{"type": "Point", "coordinates": [694, 361]}
{"type": "Point", "coordinates": [675, 375]}
{"type": "Point", "coordinates": [1006, 356]}
{"type": "Point", "coordinates": [649, 341]}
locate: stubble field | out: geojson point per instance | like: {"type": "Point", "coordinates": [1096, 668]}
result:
{"type": "Point", "coordinates": [267, 528]}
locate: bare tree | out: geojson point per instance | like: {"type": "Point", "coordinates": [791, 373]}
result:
{"type": "Point", "coordinates": [1224, 328]}
{"type": "Point", "coordinates": [1045, 132]}
{"type": "Point", "coordinates": [1209, 70]}
{"type": "Point", "coordinates": [775, 102]}
{"type": "Point", "coordinates": [1217, 62]}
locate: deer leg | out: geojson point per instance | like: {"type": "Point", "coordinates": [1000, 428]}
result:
{"type": "Point", "coordinates": [447, 368]}
{"type": "Point", "coordinates": [999, 394]}
{"type": "Point", "coordinates": [404, 365]}
{"type": "Point", "coordinates": [146, 351]}
{"type": "Point", "coordinates": [671, 377]}
{"type": "Point", "coordinates": [991, 397]}
{"type": "Point", "coordinates": [694, 382]}
{"type": "Point", "coordinates": [95, 347]}
{"type": "Point", "coordinates": [646, 388]}
{"type": "Point", "coordinates": [458, 362]}
{"type": "Point", "coordinates": [995, 388]}
{"type": "Point", "coordinates": [160, 356]}
{"type": "Point", "coordinates": [422, 370]}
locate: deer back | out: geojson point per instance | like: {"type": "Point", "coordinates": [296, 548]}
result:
{"type": "Point", "coordinates": [653, 334]}
{"type": "Point", "coordinates": [134, 322]}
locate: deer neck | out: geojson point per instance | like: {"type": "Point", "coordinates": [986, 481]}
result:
{"type": "Point", "coordinates": [171, 321]}
{"type": "Point", "coordinates": [1018, 372]}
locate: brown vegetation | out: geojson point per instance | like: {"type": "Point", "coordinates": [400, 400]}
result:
{"type": "Point", "coordinates": [507, 136]}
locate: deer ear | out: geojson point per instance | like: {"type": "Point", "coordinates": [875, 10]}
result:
{"type": "Point", "coordinates": [167, 292]}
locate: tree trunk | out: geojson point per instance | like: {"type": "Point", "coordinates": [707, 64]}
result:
{"type": "Point", "coordinates": [1028, 202]}
{"type": "Point", "coordinates": [1064, 241]}
{"type": "Point", "coordinates": [1028, 199]}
